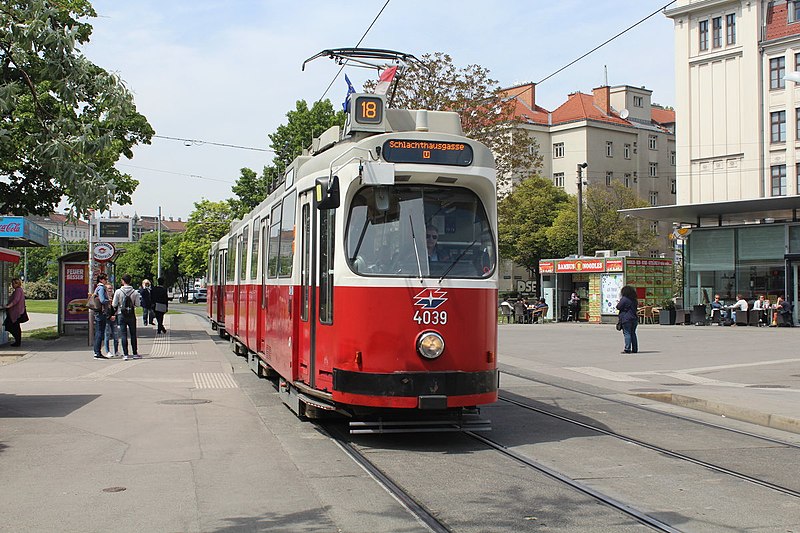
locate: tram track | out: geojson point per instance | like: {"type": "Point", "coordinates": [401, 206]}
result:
{"type": "Point", "coordinates": [634, 513]}
{"type": "Point", "coordinates": [659, 449]}
{"type": "Point", "coordinates": [647, 409]}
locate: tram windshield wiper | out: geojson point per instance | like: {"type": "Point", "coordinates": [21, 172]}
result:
{"type": "Point", "coordinates": [457, 259]}
{"type": "Point", "coordinates": [416, 249]}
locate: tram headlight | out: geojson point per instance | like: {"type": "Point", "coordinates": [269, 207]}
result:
{"type": "Point", "coordinates": [430, 344]}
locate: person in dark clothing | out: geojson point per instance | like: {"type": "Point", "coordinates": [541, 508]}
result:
{"type": "Point", "coordinates": [628, 319]}
{"type": "Point", "coordinates": [147, 303]}
{"type": "Point", "coordinates": [158, 295]}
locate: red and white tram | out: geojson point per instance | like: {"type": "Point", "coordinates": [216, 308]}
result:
{"type": "Point", "coordinates": [367, 280]}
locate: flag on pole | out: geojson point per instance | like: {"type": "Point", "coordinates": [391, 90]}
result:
{"type": "Point", "coordinates": [350, 91]}
{"type": "Point", "coordinates": [385, 80]}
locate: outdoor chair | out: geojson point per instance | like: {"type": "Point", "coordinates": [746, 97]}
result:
{"type": "Point", "coordinates": [754, 317]}
{"type": "Point", "coordinates": [646, 313]}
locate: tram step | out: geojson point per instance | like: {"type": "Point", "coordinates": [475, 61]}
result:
{"type": "Point", "coordinates": [467, 423]}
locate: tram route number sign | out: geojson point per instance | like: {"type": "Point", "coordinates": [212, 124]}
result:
{"type": "Point", "coordinates": [427, 152]}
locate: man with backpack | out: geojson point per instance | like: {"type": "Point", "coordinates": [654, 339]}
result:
{"type": "Point", "coordinates": [126, 299]}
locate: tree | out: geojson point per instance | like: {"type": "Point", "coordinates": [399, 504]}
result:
{"type": "Point", "coordinates": [524, 217]}
{"type": "Point", "coordinates": [604, 228]}
{"type": "Point", "coordinates": [288, 142]}
{"type": "Point", "coordinates": [487, 115]}
{"type": "Point", "coordinates": [303, 124]}
{"type": "Point", "coordinates": [64, 122]}
{"type": "Point", "coordinates": [207, 224]}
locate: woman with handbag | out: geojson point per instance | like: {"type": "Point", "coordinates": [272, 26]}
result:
{"type": "Point", "coordinates": [158, 296]}
{"type": "Point", "coordinates": [15, 311]}
{"type": "Point", "coordinates": [628, 319]}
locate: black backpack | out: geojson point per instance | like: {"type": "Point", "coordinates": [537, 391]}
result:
{"type": "Point", "coordinates": [127, 306]}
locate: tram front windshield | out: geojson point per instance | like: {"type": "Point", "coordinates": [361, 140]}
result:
{"type": "Point", "coordinates": [419, 231]}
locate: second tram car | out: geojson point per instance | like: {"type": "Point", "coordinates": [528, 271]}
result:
{"type": "Point", "coordinates": [367, 281]}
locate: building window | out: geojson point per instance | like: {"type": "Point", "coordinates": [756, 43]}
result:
{"type": "Point", "coordinates": [626, 151]}
{"type": "Point", "coordinates": [558, 150]}
{"type": "Point", "coordinates": [638, 101]}
{"type": "Point", "coordinates": [654, 228]}
{"type": "Point", "coordinates": [609, 177]}
{"type": "Point", "coordinates": [655, 253]}
{"type": "Point", "coordinates": [797, 175]}
{"type": "Point", "coordinates": [778, 180]}
{"type": "Point", "coordinates": [777, 70]}
{"type": "Point", "coordinates": [716, 26]}
{"type": "Point", "coordinates": [703, 27]}
{"type": "Point", "coordinates": [672, 158]}
{"type": "Point", "coordinates": [627, 180]}
{"type": "Point", "coordinates": [674, 186]}
{"type": "Point", "coordinates": [653, 170]}
{"type": "Point", "coordinates": [609, 149]}
{"type": "Point", "coordinates": [730, 29]}
{"type": "Point", "coordinates": [777, 121]}
{"type": "Point", "coordinates": [654, 198]}
{"type": "Point", "coordinates": [558, 179]}
{"type": "Point", "coordinates": [797, 125]}
{"type": "Point", "coordinates": [652, 142]}
{"type": "Point", "coordinates": [794, 11]}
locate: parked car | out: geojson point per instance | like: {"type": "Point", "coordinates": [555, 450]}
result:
{"type": "Point", "coordinates": [198, 295]}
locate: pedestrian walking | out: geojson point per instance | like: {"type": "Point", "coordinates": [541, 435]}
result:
{"type": "Point", "coordinates": [147, 303]}
{"type": "Point", "coordinates": [126, 299]}
{"type": "Point", "coordinates": [160, 306]}
{"type": "Point", "coordinates": [628, 319]}
{"type": "Point", "coordinates": [112, 328]}
{"type": "Point", "coordinates": [16, 313]}
{"type": "Point", "coordinates": [99, 303]}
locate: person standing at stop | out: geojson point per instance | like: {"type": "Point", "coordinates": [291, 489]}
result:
{"type": "Point", "coordinates": [126, 299]}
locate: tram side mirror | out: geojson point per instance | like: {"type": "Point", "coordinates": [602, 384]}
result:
{"type": "Point", "coordinates": [326, 193]}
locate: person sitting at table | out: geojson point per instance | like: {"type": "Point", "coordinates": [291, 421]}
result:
{"type": "Point", "coordinates": [762, 306]}
{"type": "Point", "coordinates": [784, 309]}
{"type": "Point", "coordinates": [539, 310]}
{"type": "Point", "coordinates": [740, 305]}
{"type": "Point", "coordinates": [718, 307]}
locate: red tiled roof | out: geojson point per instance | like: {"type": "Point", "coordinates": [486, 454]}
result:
{"type": "Point", "coordinates": [524, 113]}
{"type": "Point", "coordinates": [662, 116]}
{"type": "Point", "coordinates": [581, 106]}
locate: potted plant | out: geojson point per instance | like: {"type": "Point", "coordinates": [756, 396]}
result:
{"type": "Point", "coordinates": [667, 314]}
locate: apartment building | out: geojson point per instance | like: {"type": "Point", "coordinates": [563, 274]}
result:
{"type": "Point", "coordinates": [621, 135]}
{"type": "Point", "coordinates": [738, 161]}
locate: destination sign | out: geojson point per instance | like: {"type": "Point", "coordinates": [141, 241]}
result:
{"type": "Point", "coordinates": [427, 152]}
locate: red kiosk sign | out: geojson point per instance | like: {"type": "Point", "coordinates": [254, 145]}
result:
{"type": "Point", "coordinates": [577, 266]}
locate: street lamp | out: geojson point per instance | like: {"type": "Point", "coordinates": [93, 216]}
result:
{"type": "Point", "coordinates": [581, 166]}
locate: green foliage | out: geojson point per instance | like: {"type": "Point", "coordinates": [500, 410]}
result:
{"type": "Point", "coordinates": [140, 259]}
{"type": "Point", "coordinates": [64, 122]}
{"type": "Point", "coordinates": [207, 224]}
{"type": "Point", "coordinates": [604, 228]}
{"type": "Point", "coordinates": [43, 334]}
{"type": "Point", "coordinates": [40, 290]}
{"type": "Point", "coordinates": [42, 261]}
{"type": "Point", "coordinates": [303, 124]}
{"type": "Point", "coordinates": [486, 114]}
{"type": "Point", "coordinates": [524, 217]}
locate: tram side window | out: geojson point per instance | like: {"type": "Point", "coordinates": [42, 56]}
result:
{"type": "Point", "coordinates": [254, 250]}
{"type": "Point", "coordinates": [287, 235]}
{"type": "Point", "coordinates": [243, 255]}
{"type": "Point", "coordinates": [274, 241]}
{"type": "Point", "coordinates": [231, 266]}
{"type": "Point", "coordinates": [326, 248]}
{"type": "Point", "coordinates": [305, 261]}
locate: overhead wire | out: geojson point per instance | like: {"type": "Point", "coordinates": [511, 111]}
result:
{"type": "Point", "coordinates": [225, 145]}
{"type": "Point", "coordinates": [357, 45]}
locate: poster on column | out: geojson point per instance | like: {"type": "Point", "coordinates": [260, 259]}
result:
{"type": "Point", "coordinates": [76, 289]}
{"type": "Point", "coordinates": [610, 285]}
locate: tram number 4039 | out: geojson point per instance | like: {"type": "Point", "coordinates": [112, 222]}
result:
{"type": "Point", "coordinates": [430, 317]}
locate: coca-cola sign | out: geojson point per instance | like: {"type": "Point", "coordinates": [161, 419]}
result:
{"type": "Point", "coordinates": [11, 226]}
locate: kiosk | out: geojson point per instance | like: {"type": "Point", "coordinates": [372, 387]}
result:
{"type": "Point", "coordinates": [598, 280]}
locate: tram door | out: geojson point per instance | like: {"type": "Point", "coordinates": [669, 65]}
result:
{"type": "Point", "coordinates": [307, 297]}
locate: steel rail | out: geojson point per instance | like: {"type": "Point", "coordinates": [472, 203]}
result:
{"type": "Point", "coordinates": [659, 449]}
{"type": "Point", "coordinates": [608, 500]}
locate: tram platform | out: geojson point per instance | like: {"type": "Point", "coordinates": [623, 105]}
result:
{"type": "Point", "coordinates": [185, 439]}
{"type": "Point", "coordinates": [743, 373]}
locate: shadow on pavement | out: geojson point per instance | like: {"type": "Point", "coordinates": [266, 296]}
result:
{"type": "Point", "coordinates": [43, 405]}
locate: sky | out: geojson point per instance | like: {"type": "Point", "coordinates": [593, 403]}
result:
{"type": "Point", "coordinates": [227, 72]}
